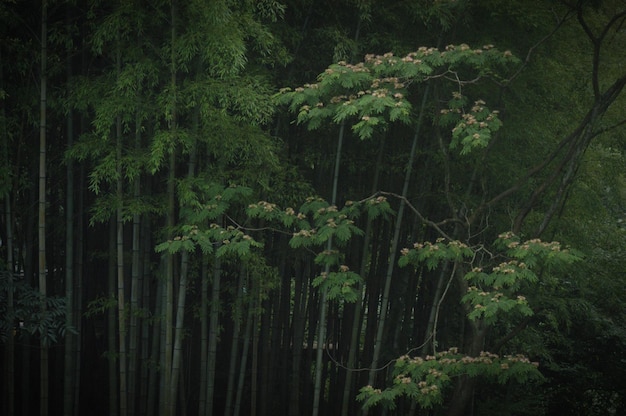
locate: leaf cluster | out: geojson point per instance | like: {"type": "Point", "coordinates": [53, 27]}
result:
{"type": "Point", "coordinates": [373, 93]}
{"type": "Point", "coordinates": [317, 221]}
{"type": "Point", "coordinates": [202, 205]}
{"type": "Point", "coordinates": [339, 285]}
{"type": "Point", "coordinates": [433, 254]}
{"type": "Point", "coordinates": [426, 380]}
{"type": "Point", "coordinates": [32, 312]}
{"type": "Point", "coordinates": [496, 289]}
{"type": "Point", "coordinates": [314, 225]}
{"type": "Point", "coordinates": [474, 129]}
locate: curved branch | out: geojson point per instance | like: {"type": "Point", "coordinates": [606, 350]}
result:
{"type": "Point", "coordinates": [575, 143]}
{"type": "Point", "coordinates": [531, 50]}
{"type": "Point", "coordinates": [597, 43]}
{"type": "Point", "coordinates": [531, 172]}
{"type": "Point", "coordinates": [614, 19]}
{"type": "Point", "coordinates": [513, 333]}
{"type": "Point", "coordinates": [436, 225]}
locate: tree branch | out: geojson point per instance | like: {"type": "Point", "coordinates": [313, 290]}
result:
{"type": "Point", "coordinates": [531, 50]}
{"type": "Point", "coordinates": [575, 142]}
{"type": "Point", "coordinates": [513, 333]}
{"type": "Point", "coordinates": [436, 225]}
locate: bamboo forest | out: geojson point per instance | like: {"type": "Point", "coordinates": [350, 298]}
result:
{"type": "Point", "coordinates": [301, 207]}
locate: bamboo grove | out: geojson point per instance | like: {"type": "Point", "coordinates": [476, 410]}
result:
{"type": "Point", "coordinates": [346, 207]}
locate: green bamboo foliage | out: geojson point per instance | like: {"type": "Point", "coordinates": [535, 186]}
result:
{"type": "Point", "coordinates": [218, 43]}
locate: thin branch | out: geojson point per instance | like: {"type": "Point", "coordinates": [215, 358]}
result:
{"type": "Point", "coordinates": [406, 354]}
{"type": "Point", "coordinates": [597, 44]}
{"type": "Point", "coordinates": [569, 158]}
{"type": "Point", "coordinates": [463, 82]}
{"type": "Point", "coordinates": [531, 50]}
{"type": "Point", "coordinates": [596, 52]}
{"type": "Point", "coordinates": [529, 174]}
{"type": "Point", "coordinates": [447, 174]}
{"type": "Point", "coordinates": [609, 128]}
{"type": "Point", "coordinates": [584, 25]}
{"type": "Point", "coordinates": [250, 229]}
{"type": "Point", "coordinates": [572, 158]}
{"type": "Point", "coordinates": [566, 181]}
{"type": "Point", "coordinates": [443, 296]}
{"type": "Point", "coordinates": [611, 22]}
{"type": "Point", "coordinates": [513, 333]}
{"type": "Point", "coordinates": [436, 225]}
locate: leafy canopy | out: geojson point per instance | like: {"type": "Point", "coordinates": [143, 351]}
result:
{"type": "Point", "coordinates": [373, 93]}
{"type": "Point", "coordinates": [493, 293]}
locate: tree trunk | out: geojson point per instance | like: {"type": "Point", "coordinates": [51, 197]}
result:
{"type": "Point", "coordinates": [268, 394]}
{"type": "Point", "coordinates": [145, 324]}
{"type": "Point", "coordinates": [165, 354]}
{"type": "Point", "coordinates": [474, 344]}
{"type": "Point", "coordinates": [78, 310]}
{"type": "Point", "coordinates": [111, 324]}
{"type": "Point", "coordinates": [26, 391]}
{"type": "Point", "coordinates": [464, 389]}
{"type": "Point", "coordinates": [180, 315]}
{"type": "Point", "coordinates": [311, 328]}
{"type": "Point", "coordinates": [155, 376]}
{"type": "Point", "coordinates": [182, 291]}
{"type": "Point", "coordinates": [234, 348]}
{"type": "Point", "coordinates": [321, 337]}
{"type": "Point", "coordinates": [9, 352]}
{"type": "Point", "coordinates": [213, 334]}
{"type": "Point", "coordinates": [244, 359]}
{"type": "Point", "coordinates": [394, 247]}
{"type": "Point", "coordinates": [171, 212]}
{"type": "Point", "coordinates": [70, 340]}
{"type": "Point", "coordinates": [43, 375]}
{"type": "Point", "coordinates": [254, 372]}
{"type": "Point", "coordinates": [373, 289]}
{"type": "Point", "coordinates": [431, 329]}
{"type": "Point", "coordinates": [121, 299]}
{"type": "Point", "coordinates": [136, 287]}
{"type": "Point", "coordinates": [135, 295]}
{"type": "Point", "coordinates": [298, 328]}
{"type": "Point", "coordinates": [204, 337]}
{"type": "Point", "coordinates": [286, 337]}
{"type": "Point", "coordinates": [358, 307]}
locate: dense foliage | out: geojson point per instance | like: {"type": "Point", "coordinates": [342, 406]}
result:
{"type": "Point", "coordinates": [336, 207]}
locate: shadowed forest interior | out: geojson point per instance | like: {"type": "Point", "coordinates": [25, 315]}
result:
{"type": "Point", "coordinates": [350, 207]}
